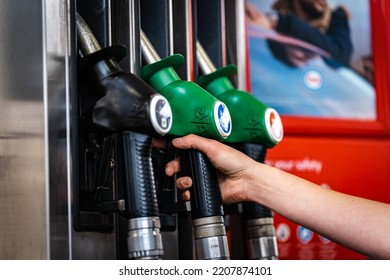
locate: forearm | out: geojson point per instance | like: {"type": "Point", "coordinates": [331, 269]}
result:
{"type": "Point", "coordinates": [360, 224]}
{"type": "Point", "coordinates": [357, 223]}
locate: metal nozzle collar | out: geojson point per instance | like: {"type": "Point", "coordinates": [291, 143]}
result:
{"type": "Point", "coordinates": [210, 238]}
{"type": "Point", "coordinates": [263, 248]}
{"type": "Point", "coordinates": [144, 239]}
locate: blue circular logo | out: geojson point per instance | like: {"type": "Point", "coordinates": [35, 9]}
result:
{"type": "Point", "coordinates": [222, 119]}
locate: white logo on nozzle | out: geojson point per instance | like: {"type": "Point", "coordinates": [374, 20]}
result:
{"type": "Point", "coordinates": [222, 119]}
{"type": "Point", "coordinates": [274, 125]}
{"type": "Point", "coordinates": [160, 114]}
{"type": "Point", "coordinates": [165, 114]}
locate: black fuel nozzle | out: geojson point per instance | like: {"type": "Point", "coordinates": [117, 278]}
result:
{"type": "Point", "coordinates": [128, 103]}
{"type": "Point", "coordinates": [256, 128]}
{"type": "Point", "coordinates": [131, 110]}
{"type": "Point", "coordinates": [196, 111]}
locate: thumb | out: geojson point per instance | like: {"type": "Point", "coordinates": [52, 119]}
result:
{"type": "Point", "coordinates": [193, 141]}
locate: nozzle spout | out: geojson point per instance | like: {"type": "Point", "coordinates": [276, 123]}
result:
{"type": "Point", "coordinates": [87, 40]}
{"type": "Point", "coordinates": [149, 52]}
{"type": "Point", "coordinates": [205, 63]}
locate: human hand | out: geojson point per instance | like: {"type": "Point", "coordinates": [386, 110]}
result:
{"type": "Point", "coordinates": [254, 16]}
{"type": "Point", "coordinates": [232, 167]}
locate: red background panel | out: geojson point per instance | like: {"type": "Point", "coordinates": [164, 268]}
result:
{"type": "Point", "coordinates": [356, 166]}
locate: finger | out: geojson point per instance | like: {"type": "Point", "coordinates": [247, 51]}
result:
{"type": "Point", "coordinates": [184, 182]}
{"type": "Point", "coordinates": [172, 167]}
{"type": "Point", "coordinates": [193, 141]}
{"type": "Point", "coordinates": [211, 148]}
{"type": "Point", "coordinates": [186, 195]}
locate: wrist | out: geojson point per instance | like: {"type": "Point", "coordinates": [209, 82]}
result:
{"type": "Point", "coordinates": [254, 182]}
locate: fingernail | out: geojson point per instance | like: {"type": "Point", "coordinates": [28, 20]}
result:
{"type": "Point", "coordinates": [177, 140]}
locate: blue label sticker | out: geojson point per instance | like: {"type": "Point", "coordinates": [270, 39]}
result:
{"type": "Point", "coordinates": [222, 119]}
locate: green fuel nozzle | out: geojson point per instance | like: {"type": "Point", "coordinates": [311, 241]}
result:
{"type": "Point", "coordinates": [256, 128]}
{"type": "Point", "coordinates": [254, 122]}
{"type": "Point", "coordinates": [196, 111]}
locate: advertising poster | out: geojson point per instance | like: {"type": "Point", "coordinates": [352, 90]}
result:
{"type": "Point", "coordinates": [312, 61]}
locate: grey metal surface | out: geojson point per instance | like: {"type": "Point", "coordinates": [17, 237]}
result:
{"type": "Point", "coordinates": [88, 245]}
{"type": "Point", "coordinates": [124, 27]}
{"type": "Point", "coordinates": [56, 100]}
{"type": "Point", "coordinates": [22, 185]}
{"type": "Point", "coordinates": [33, 93]}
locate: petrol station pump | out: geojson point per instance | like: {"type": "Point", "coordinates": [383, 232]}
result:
{"type": "Point", "coordinates": [87, 89]}
{"type": "Point", "coordinates": [109, 185]}
{"type": "Point", "coordinates": [130, 74]}
{"type": "Point", "coordinates": [98, 204]}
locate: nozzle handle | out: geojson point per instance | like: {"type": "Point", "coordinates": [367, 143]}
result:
{"type": "Point", "coordinates": [138, 176]}
{"type": "Point", "coordinates": [254, 210]}
{"type": "Point", "coordinates": [205, 194]}
{"type": "Point", "coordinates": [144, 239]}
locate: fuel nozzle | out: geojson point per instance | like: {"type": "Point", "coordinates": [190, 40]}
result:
{"type": "Point", "coordinates": [254, 122]}
{"type": "Point", "coordinates": [134, 111]}
{"type": "Point", "coordinates": [128, 103]}
{"type": "Point", "coordinates": [196, 111]}
{"type": "Point", "coordinates": [256, 127]}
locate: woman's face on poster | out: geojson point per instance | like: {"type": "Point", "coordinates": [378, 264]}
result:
{"type": "Point", "coordinates": [313, 8]}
